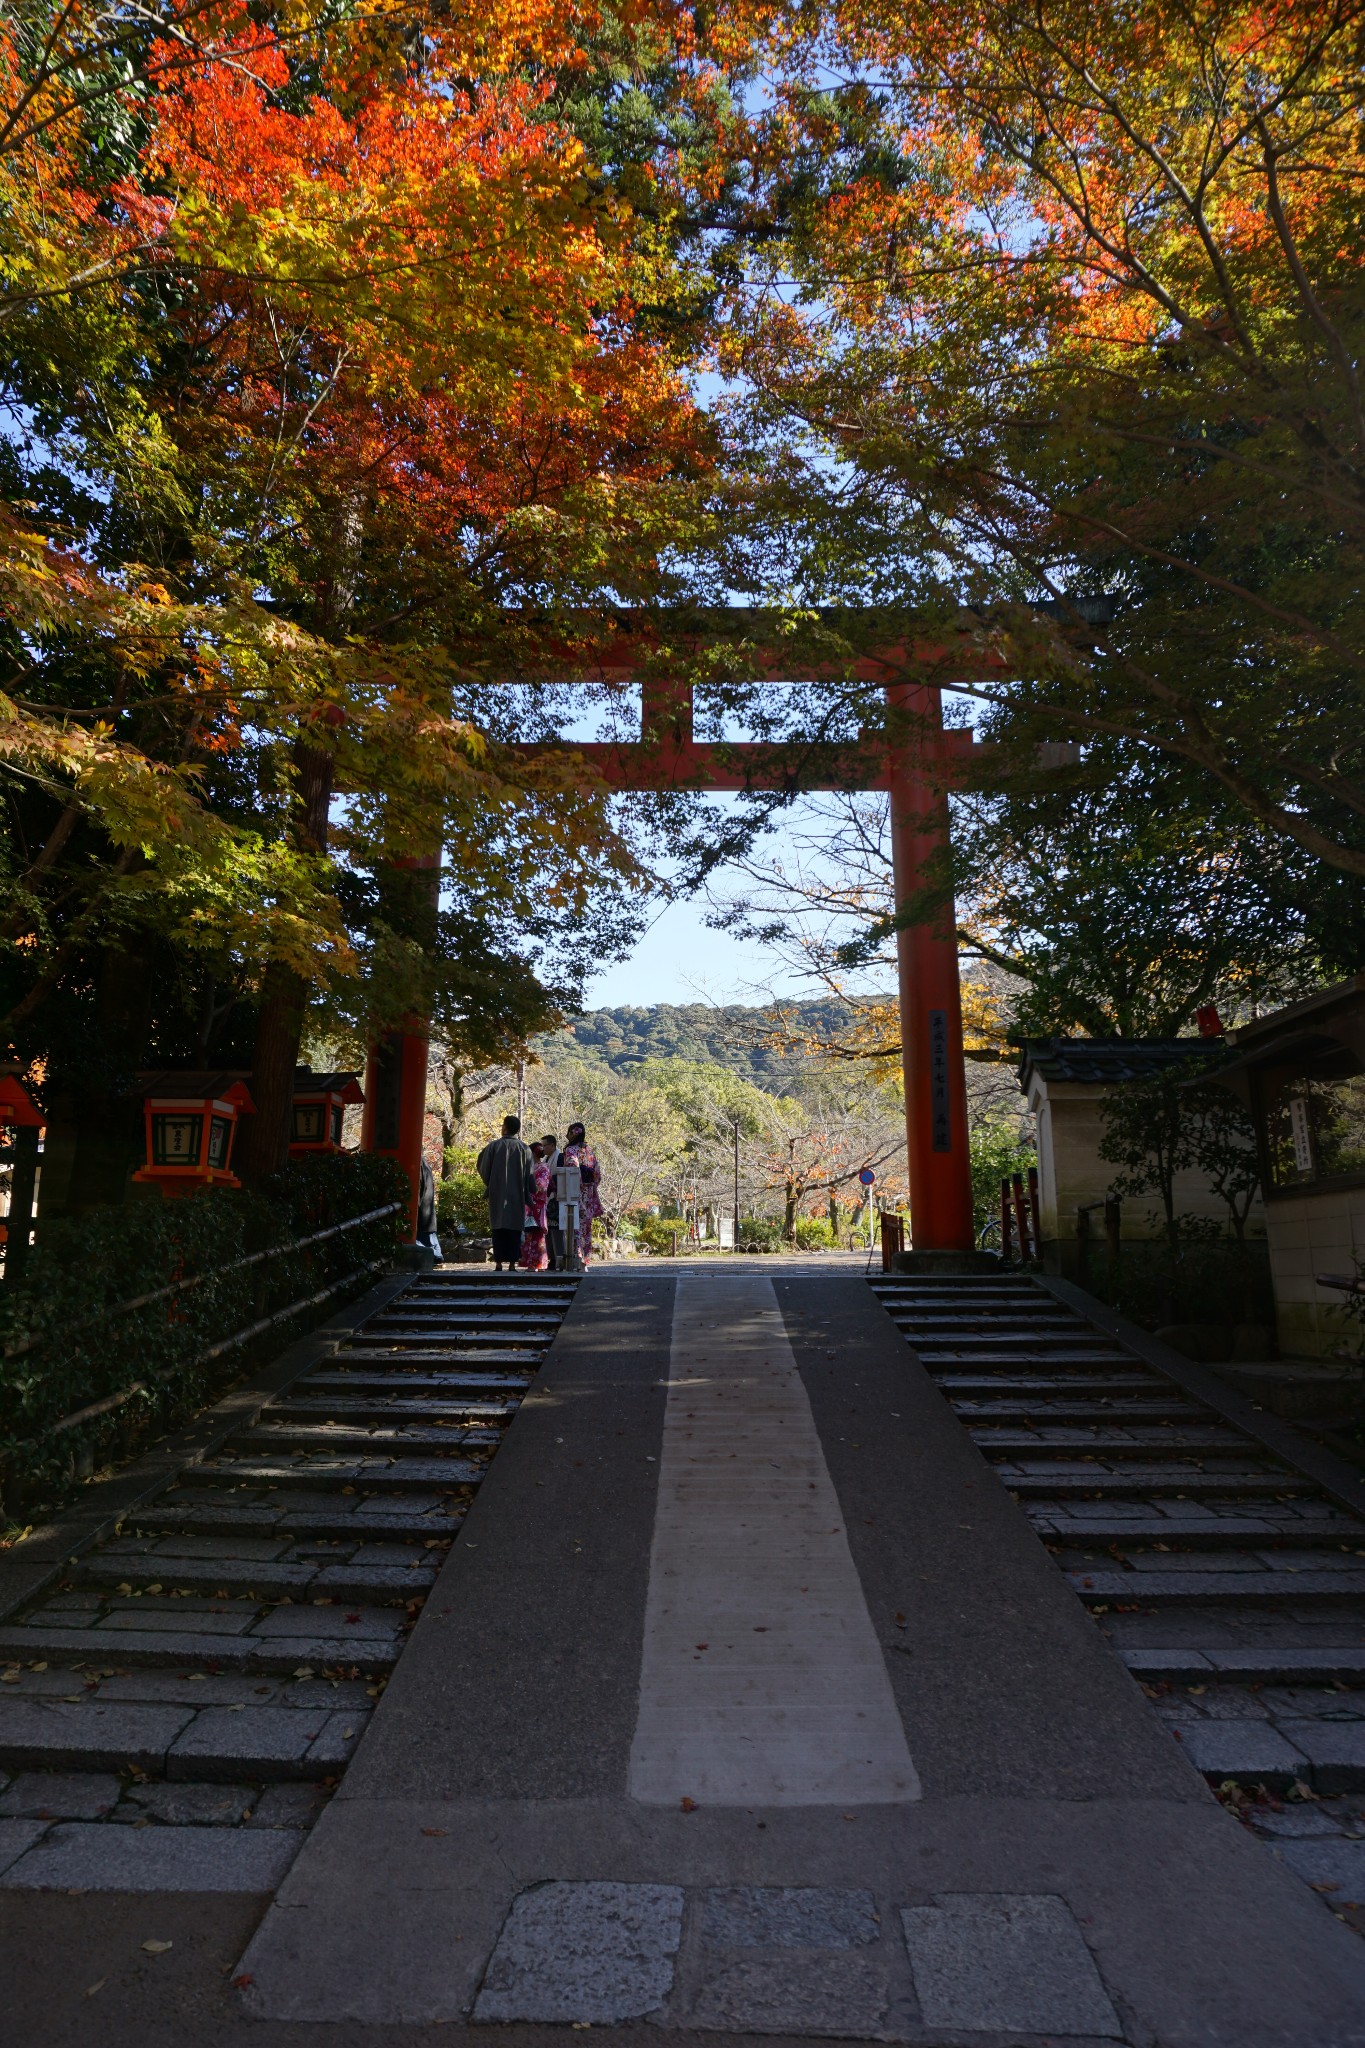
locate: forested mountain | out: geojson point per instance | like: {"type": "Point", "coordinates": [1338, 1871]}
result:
{"type": "Point", "coordinates": [730, 1035]}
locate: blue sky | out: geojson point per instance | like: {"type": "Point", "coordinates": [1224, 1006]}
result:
{"type": "Point", "coordinates": [680, 961]}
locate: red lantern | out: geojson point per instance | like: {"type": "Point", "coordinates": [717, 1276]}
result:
{"type": "Point", "coordinates": [20, 1122]}
{"type": "Point", "coordinates": [320, 1103]}
{"type": "Point", "coordinates": [191, 1127]}
{"type": "Point", "coordinates": [17, 1105]}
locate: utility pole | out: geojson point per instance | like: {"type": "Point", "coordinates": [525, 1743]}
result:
{"type": "Point", "coordinates": [736, 1130]}
{"type": "Point", "coordinates": [521, 1091]}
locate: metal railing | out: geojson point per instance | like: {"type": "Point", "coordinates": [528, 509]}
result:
{"type": "Point", "coordinates": [113, 1401]}
{"type": "Point", "coordinates": [183, 1286]}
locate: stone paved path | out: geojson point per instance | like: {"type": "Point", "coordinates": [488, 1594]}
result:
{"type": "Point", "coordinates": [934, 1809]}
{"type": "Point", "coordinates": [762, 1680]}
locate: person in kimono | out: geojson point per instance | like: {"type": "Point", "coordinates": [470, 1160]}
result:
{"type": "Point", "coordinates": [578, 1152]}
{"type": "Point", "coordinates": [535, 1256]}
{"type": "Point", "coordinates": [504, 1167]}
{"type": "Point", "coordinates": [549, 1145]}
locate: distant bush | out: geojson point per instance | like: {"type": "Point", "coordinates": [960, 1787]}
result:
{"type": "Point", "coordinates": [814, 1234]}
{"type": "Point", "coordinates": [997, 1153]}
{"type": "Point", "coordinates": [659, 1233]}
{"type": "Point", "coordinates": [760, 1234]}
{"type": "Point", "coordinates": [462, 1203]}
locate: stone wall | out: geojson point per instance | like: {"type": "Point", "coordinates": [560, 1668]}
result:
{"type": "Point", "coordinates": [1309, 1234]}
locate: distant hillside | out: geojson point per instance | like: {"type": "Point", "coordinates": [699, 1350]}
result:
{"type": "Point", "coordinates": [726, 1035]}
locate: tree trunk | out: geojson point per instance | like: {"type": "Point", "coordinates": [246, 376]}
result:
{"type": "Point", "coordinates": [108, 1137]}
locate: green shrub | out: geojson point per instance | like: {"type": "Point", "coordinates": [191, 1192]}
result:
{"type": "Point", "coordinates": [760, 1234]}
{"type": "Point", "coordinates": [997, 1152]}
{"type": "Point", "coordinates": [658, 1233]}
{"type": "Point", "coordinates": [62, 1347]}
{"type": "Point", "coordinates": [814, 1234]}
{"type": "Point", "coordinates": [462, 1204]}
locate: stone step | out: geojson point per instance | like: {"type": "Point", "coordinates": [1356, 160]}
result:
{"type": "Point", "coordinates": [327, 1521]}
{"type": "Point", "coordinates": [380, 1475]}
{"type": "Point", "coordinates": [1173, 1479]}
{"type": "Point", "coordinates": [451, 1321]}
{"type": "Point", "coordinates": [967, 1360]}
{"type": "Point", "coordinates": [353, 1582]}
{"type": "Point", "coordinates": [1263, 1664]}
{"type": "Point", "coordinates": [132, 1648]}
{"type": "Point", "coordinates": [1109, 1443]}
{"type": "Point", "coordinates": [1210, 1532]}
{"type": "Point", "coordinates": [281, 1579]}
{"type": "Point", "coordinates": [1008, 1323]}
{"type": "Point", "coordinates": [266, 1438]}
{"type": "Point", "coordinates": [456, 1276]}
{"type": "Point", "coordinates": [1096, 1384]}
{"type": "Point", "coordinates": [1247, 1753]}
{"type": "Point", "coordinates": [937, 1288]}
{"type": "Point", "coordinates": [497, 1283]}
{"type": "Point", "coordinates": [384, 1408]}
{"type": "Point", "coordinates": [1044, 1412]}
{"type": "Point", "coordinates": [91, 1856]}
{"type": "Point", "coordinates": [460, 1346]}
{"type": "Point", "coordinates": [991, 1344]}
{"type": "Point", "coordinates": [996, 1306]}
{"type": "Point", "coordinates": [408, 1377]}
{"type": "Point", "coordinates": [177, 1742]}
{"type": "Point", "coordinates": [487, 1300]}
{"type": "Point", "coordinates": [1250, 1588]}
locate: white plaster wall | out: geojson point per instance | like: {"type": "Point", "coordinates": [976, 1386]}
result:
{"type": "Point", "coordinates": [1311, 1234]}
{"type": "Point", "coordinates": [1071, 1171]}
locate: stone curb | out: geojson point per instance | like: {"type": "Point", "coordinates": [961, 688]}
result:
{"type": "Point", "coordinates": [33, 1563]}
{"type": "Point", "coordinates": [1334, 1475]}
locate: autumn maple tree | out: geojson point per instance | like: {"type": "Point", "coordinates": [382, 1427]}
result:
{"type": "Point", "coordinates": [1053, 313]}
{"type": "Point", "coordinates": [333, 408]}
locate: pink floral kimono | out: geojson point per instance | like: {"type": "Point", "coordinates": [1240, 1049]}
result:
{"type": "Point", "coordinates": [590, 1206]}
{"type": "Point", "coordinates": [535, 1256]}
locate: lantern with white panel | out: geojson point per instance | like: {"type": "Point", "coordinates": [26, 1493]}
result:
{"type": "Point", "coordinates": [319, 1110]}
{"type": "Point", "coordinates": [191, 1128]}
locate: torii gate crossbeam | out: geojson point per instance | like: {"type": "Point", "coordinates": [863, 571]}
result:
{"type": "Point", "coordinates": [915, 771]}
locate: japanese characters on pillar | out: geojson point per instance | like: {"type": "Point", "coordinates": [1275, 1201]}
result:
{"type": "Point", "coordinates": [927, 976]}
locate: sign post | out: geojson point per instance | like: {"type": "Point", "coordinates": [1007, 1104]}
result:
{"type": "Point", "coordinates": [568, 1196]}
{"type": "Point", "coordinates": [867, 1178]}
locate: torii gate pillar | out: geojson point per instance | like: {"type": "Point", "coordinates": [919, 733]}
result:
{"type": "Point", "coordinates": [939, 1158]}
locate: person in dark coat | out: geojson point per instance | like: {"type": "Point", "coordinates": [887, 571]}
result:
{"type": "Point", "coordinates": [504, 1167]}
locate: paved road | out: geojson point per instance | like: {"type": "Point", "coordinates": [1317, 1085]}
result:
{"type": "Point", "coordinates": [747, 1703]}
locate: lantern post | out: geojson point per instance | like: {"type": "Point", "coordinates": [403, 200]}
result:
{"type": "Point", "coordinates": [24, 1119]}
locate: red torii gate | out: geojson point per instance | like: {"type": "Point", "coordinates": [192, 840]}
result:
{"type": "Point", "coordinates": [915, 765]}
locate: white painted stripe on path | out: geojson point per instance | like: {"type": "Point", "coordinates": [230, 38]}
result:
{"type": "Point", "coordinates": [762, 1681]}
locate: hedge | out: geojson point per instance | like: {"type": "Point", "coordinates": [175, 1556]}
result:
{"type": "Point", "coordinates": [76, 1332]}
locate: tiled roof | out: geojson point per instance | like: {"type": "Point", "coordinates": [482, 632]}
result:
{"type": "Point", "coordinates": [306, 1082]}
{"type": "Point", "coordinates": [190, 1083]}
{"type": "Point", "coordinates": [1105, 1062]}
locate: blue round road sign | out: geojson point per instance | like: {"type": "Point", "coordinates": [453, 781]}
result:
{"type": "Point", "coordinates": [867, 1176]}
